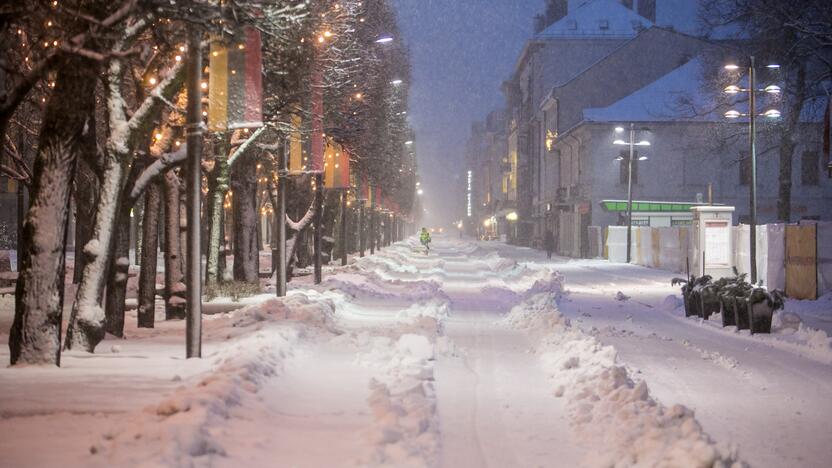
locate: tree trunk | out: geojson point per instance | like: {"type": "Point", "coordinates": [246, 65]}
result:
{"type": "Point", "coordinates": [86, 188]}
{"type": "Point", "coordinates": [35, 336]}
{"type": "Point", "coordinates": [788, 145]}
{"type": "Point", "coordinates": [86, 323]}
{"type": "Point", "coordinates": [217, 189]}
{"type": "Point", "coordinates": [150, 247]}
{"type": "Point", "coordinates": [246, 250]}
{"type": "Point", "coordinates": [120, 262]}
{"type": "Point", "coordinates": [174, 278]}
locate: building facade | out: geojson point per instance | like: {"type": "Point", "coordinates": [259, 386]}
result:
{"type": "Point", "coordinates": [603, 64]}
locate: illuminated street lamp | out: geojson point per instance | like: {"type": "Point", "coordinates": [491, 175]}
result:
{"type": "Point", "coordinates": [752, 118]}
{"type": "Point", "coordinates": [632, 143]}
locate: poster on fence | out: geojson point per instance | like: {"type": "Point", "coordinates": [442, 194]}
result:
{"type": "Point", "coordinates": [717, 244]}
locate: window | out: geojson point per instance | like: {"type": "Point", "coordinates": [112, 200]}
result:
{"type": "Point", "coordinates": [622, 175]}
{"type": "Point", "coordinates": [810, 168]}
{"type": "Point", "coordinates": [745, 169]}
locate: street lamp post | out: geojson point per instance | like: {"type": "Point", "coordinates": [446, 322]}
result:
{"type": "Point", "coordinates": [752, 126]}
{"type": "Point", "coordinates": [193, 317]}
{"type": "Point", "coordinates": [283, 179]}
{"type": "Point", "coordinates": [632, 144]}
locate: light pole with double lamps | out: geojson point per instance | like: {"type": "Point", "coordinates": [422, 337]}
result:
{"type": "Point", "coordinates": [632, 143]}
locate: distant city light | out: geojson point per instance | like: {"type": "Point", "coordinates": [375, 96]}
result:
{"type": "Point", "coordinates": [732, 114]}
{"type": "Point", "coordinates": [772, 113]}
{"type": "Point", "coordinates": [468, 195]}
{"type": "Point", "coordinates": [732, 89]}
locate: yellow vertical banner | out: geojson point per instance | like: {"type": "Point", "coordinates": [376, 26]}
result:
{"type": "Point", "coordinates": [218, 87]}
{"type": "Point", "coordinates": [330, 161]}
{"type": "Point", "coordinates": [296, 146]}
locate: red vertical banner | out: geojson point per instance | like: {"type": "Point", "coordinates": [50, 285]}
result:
{"type": "Point", "coordinates": [317, 143]}
{"type": "Point", "coordinates": [254, 77]}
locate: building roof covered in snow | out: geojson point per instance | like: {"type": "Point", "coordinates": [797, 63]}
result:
{"type": "Point", "coordinates": [675, 96]}
{"type": "Point", "coordinates": [680, 96]}
{"type": "Point", "coordinates": [597, 18]}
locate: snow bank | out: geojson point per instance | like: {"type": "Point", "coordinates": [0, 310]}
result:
{"type": "Point", "coordinates": [540, 281]}
{"type": "Point", "coordinates": [406, 430]}
{"type": "Point", "coordinates": [369, 285]}
{"type": "Point", "coordinates": [607, 407]}
{"type": "Point", "coordinates": [182, 427]}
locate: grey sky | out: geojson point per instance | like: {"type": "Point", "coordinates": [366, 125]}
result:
{"type": "Point", "coordinates": [461, 51]}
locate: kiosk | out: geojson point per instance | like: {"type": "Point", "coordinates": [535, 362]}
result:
{"type": "Point", "coordinates": [712, 244]}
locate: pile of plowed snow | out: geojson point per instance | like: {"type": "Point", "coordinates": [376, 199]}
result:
{"type": "Point", "coordinates": [609, 409]}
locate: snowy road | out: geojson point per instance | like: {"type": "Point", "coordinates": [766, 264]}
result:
{"type": "Point", "coordinates": [477, 355]}
{"type": "Point", "coordinates": [758, 392]}
{"type": "Point", "coordinates": [495, 405]}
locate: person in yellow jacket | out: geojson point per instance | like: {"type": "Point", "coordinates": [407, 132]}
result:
{"type": "Point", "coordinates": [424, 238]}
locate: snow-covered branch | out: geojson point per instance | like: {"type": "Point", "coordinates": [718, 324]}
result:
{"type": "Point", "coordinates": [303, 222]}
{"type": "Point", "coordinates": [245, 145]}
{"type": "Point", "coordinates": [155, 170]}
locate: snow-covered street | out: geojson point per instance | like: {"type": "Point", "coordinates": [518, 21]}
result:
{"type": "Point", "coordinates": [478, 354]}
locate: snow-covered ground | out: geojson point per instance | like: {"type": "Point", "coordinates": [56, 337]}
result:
{"type": "Point", "coordinates": [479, 354]}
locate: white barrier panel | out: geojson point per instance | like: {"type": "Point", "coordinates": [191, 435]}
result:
{"type": "Point", "coordinates": [669, 248]}
{"type": "Point", "coordinates": [617, 244]}
{"type": "Point", "coordinates": [742, 258]}
{"type": "Point", "coordinates": [775, 276]}
{"type": "Point", "coordinates": [742, 252]}
{"type": "Point", "coordinates": [673, 247]}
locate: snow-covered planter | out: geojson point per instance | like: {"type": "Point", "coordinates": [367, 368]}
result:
{"type": "Point", "coordinates": [761, 305]}
{"type": "Point", "coordinates": [708, 301]}
{"type": "Point", "coordinates": [690, 292]}
{"type": "Point", "coordinates": [733, 292]}
{"type": "Point", "coordinates": [728, 303]}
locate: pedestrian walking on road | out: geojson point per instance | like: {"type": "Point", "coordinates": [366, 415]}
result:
{"type": "Point", "coordinates": [424, 238]}
{"type": "Point", "coordinates": [549, 243]}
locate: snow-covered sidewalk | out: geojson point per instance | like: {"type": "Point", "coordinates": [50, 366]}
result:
{"type": "Point", "coordinates": [479, 354]}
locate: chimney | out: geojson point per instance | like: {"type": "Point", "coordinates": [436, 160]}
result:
{"type": "Point", "coordinates": [647, 9]}
{"type": "Point", "coordinates": [555, 10]}
{"type": "Point", "coordinates": [539, 23]}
